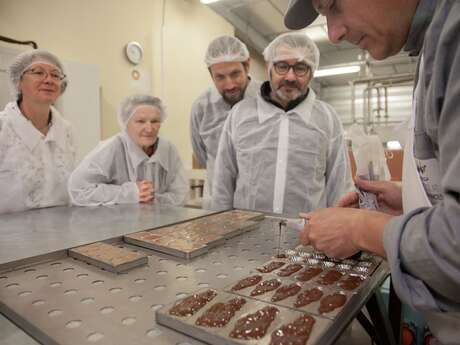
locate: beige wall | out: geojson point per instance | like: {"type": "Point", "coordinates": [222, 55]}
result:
{"type": "Point", "coordinates": [96, 31]}
{"type": "Point", "coordinates": [257, 69]}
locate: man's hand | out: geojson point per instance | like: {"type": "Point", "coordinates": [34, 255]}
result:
{"type": "Point", "coordinates": [342, 232]}
{"type": "Point", "coordinates": [329, 231]}
{"type": "Point", "coordinates": [388, 195]}
{"type": "Point", "coordinates": [146, 191]}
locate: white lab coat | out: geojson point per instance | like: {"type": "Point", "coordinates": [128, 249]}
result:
{"type": "Point", "coordinates": [109, 173]}
{"type": "Point", "coordinates": [208, 114]}
{"type": "Point", "coordinates": [34, 168]}
{"type": "Point", "coordinates": [281, 162]}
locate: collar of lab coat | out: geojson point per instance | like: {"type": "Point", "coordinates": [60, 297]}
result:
{"type": "Point", "coordinates": [32, 136]}
{"type": "Point", "coordinates": [138, 156]}
{"type": "Point", "coordinates": [266, 110]}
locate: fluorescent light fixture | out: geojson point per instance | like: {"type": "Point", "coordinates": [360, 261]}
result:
{"type": "Point", "coordinates": [393, 145]}
{"type": "Point", "coordinates": [208, 1]}
{"type": "Point", "coordinates": [325, 72]}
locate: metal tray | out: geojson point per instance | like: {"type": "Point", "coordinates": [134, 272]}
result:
{"type": "Point", "coordinates": [220, 336]}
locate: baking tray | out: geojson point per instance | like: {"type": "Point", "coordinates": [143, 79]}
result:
{"type": "Point", "coordinates": [220, 336]}
{"type": "Point", "coordinates": [195, 238]}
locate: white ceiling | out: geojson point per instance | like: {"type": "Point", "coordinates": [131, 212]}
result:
{"type": "Point", "coordinates": [257, 22]}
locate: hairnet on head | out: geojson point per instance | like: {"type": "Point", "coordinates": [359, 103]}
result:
{"type": "Point", "coordinates": [130, 104]}
{"type": "Point", "coordinates": [25, 60]}
{"type": "Point", "coordinates": [293, 45]}
{"type": "Point", "coordinates": [226, 49]}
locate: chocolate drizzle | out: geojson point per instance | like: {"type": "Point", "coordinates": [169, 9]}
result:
{"type": "Point", "coordinates": [289, 270]}
{"type": "Point", "coordinates": [308, 273]}
{"type": "Point", "coordinates": [307, 297]}
{"type": "Point", "coordinates": [191, 304]}
{"type": "Point", "coordinates": [330, 277]}
{"type": "Point", "coordinates": [271, 266]}
{"type": "Point", "coordinates": [294, 333]}
{"type": "Point", "coordinates": [246, 282]}
{"type": "Point", "coordinates": [331, 302]}
{"type": "Point", "coordinates": [220, 313]}
{"type": "Point", "coordinates": [265, 286]}
{"type": "Point", "coordinates": [286, 291]}
{"type": "Point", "coordinates": [254, 326]}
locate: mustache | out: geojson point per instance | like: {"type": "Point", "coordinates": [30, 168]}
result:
{"type": "Point", "coordinates": [289, 83]}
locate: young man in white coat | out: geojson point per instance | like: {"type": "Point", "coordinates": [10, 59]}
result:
{"type": "Point", "coordinates": [228, 61]}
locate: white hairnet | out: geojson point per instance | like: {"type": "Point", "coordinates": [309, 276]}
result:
{"type": "Point", "coordinates": [25, 60]}
{"type": "Point", "coordinates": [130, 104]}
{"type": "Point", "coordinates": [226, 49]}
{"type": "Point", "coordinates": [293, 45]}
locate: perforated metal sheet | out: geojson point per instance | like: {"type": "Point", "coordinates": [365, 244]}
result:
{"type": "Point", "coordinates": [66, 301]}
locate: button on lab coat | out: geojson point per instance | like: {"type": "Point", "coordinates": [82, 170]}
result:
{"type": "Point", "coordinates": [109, 173]}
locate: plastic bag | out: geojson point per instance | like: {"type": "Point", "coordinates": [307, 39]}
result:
{"type": "Point", "coordinates": [370, 160]}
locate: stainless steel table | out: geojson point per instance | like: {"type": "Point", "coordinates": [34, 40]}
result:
{"type": "Point", "coordinates": [34, 233]}
{"type": "Point", "coordinates": [63, 301]}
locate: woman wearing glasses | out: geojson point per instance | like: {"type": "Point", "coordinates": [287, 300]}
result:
{"type": "Point", "coordinates": [36, 144]}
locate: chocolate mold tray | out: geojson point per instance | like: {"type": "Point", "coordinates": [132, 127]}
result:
{"type": "Point", "coordinates": [220, 335]}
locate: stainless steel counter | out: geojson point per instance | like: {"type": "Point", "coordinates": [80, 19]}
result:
{"type": "Point", "coordinates": [39, 232]}
{"type": "Point", "coordinates": [63, 301]}
{"type": "Point", "coordinates": [42, 231]}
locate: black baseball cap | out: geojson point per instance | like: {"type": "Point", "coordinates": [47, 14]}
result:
{"type": "Point", "coordinates": [300, 13]}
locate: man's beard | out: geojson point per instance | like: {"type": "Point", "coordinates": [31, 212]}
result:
{"type": "Point", "coordinates": [293, 95]}
{"type": "Point", "coordinates": [234, 98]}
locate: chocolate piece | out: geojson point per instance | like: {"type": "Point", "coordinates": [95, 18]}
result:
{"type": "Point", "coordinates": [246, 282]}
{"type": "Point", "coordinates": [265, 286]}
{"type": "Point", "coordinates": [308, 273]}
{"type": "Point", "coordinates": [220, 313]}
{"type": "Point", "coordinates": [351, 282]}
{"type": "Point", "coordinates": [289, 269]}
{"type": "Point", "coordinates": [331, 302]}
{"type": "Point", "coordinates": [254, 326]}
{"type": "Point", "coordinates": [191, 304]}
{"type": "Point", "coordinates": [271, 266]}
{"type": "Point", "coordinates": [294, 333]}
{"type": "Point", "coordinates": [330, 277]}
{"type": "Point", "coordinates": [307, 297]}
{"type": "Point", "coordinates": [286, 291]}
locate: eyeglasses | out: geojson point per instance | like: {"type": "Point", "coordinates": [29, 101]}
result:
{"type": "Point", "coordinates": [41, 74]}
{"type": "Point", "coordinates": [300, 69]}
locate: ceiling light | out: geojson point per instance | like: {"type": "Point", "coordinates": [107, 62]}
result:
{"type": "Point", "coordinates": [325, 72]}
{"type": "Point", "coordinates": [208, 1]}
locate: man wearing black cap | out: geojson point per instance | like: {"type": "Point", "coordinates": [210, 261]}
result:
{"type": "Point", "coordinates": [422, 244]}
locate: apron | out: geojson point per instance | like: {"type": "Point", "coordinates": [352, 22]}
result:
{"type": "Point", "coordinates": [414, 186]}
